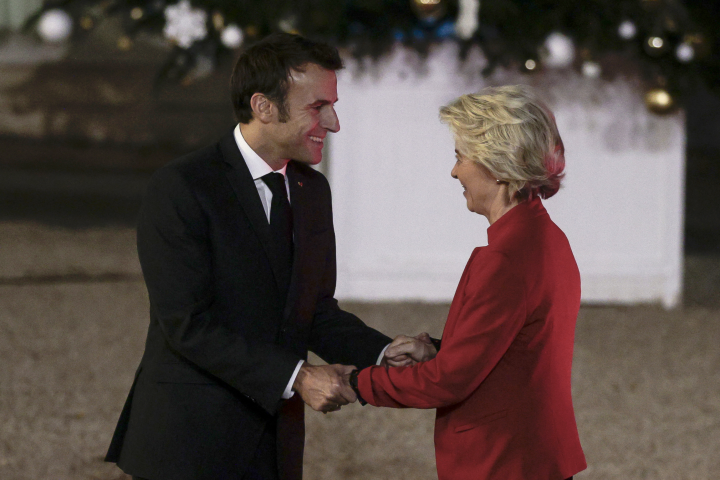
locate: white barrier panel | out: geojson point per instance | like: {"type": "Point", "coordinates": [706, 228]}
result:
{"type": "Point", "coordinates": [403, 231]}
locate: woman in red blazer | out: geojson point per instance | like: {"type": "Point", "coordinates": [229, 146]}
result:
{"type": "Point", "coordinates": [501, 381]}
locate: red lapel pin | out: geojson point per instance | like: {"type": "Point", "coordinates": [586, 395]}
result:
{"type": "Point", "coordinates": [300, 183]}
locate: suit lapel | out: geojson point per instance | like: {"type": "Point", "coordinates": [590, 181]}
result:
{"type": "Point", "coordinates": [249, 199]}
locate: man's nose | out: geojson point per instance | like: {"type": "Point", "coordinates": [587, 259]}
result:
{"type": "Point", "coordinates": [331, 121]}
{"type": "Point", "coordinates": [453, 173]}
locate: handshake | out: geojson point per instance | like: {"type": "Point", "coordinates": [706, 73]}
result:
{"type": "Point", "coordinates": [326, 388]}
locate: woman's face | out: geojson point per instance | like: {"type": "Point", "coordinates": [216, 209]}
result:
{"type": "Point", "coordinates": [480, 188]}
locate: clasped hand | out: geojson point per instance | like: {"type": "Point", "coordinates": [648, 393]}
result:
{"type": "Point", "coordinates": [326, 388]}
{"type": "Point", "coordinates": [406, 351]}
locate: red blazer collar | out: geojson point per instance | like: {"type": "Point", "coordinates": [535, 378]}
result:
{"type": "Point", "coordinates": [516, 216]}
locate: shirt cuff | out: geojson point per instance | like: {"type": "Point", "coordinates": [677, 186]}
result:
{"type": "Point", "coordinates": [288, 393]}
{"type": "Point", "coordinates": [382, 354]}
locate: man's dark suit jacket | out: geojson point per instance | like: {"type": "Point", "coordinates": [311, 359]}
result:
{"type": "Point", "coordinates": [222, 342]}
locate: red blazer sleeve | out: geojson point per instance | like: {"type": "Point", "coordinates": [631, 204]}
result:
{"type": "Point", "coordinates": [477, 334]}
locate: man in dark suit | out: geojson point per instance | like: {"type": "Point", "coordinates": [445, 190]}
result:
{"type": "Point", "coordinates": [237, 248]}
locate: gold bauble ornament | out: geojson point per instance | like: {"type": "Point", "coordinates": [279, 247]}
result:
{"type": "Point", "coordinates": [659, 100]}
{"type": "Point", "coordinates": [429, 10]}
{"type": "Point", "coordinates": [87, 22]}
{"type": "Point", "coordinates": [218, 21]}
{"type": "Point", "coordinates": [656, 46]}
{"type": "Point", "coordinates": [136, 13]}
{"type": "Point", "coordinates": [124, 43]}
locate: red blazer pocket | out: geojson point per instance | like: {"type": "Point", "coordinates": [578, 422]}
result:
{"type": "Point", "coordinates": [482, 421]}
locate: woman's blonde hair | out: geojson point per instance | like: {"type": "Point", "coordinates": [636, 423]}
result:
{"type": "Point", "coordinates": [512, 134]}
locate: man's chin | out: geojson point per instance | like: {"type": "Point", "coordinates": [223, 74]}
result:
{"type": "Point", "coordinates": [309, 160]}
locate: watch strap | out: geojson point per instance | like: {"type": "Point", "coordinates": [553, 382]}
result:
{"type": "Point", "coordinates": [354, 385]}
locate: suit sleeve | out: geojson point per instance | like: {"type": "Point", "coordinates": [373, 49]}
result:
{"type": "Point", "coordinates": [174, 252]}
{"type": "Point", "coordinates": [491, 316]}
{"type": "Point", "coordinates": [338, 336]}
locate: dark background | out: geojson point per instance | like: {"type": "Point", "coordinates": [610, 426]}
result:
{"type": "Point", "coordinates": [100, 128]}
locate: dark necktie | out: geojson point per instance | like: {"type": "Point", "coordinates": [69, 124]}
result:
{"type": "Point", "coordinates": [281, 226]}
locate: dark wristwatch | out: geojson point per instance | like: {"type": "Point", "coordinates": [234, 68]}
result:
{"type": "Point", "coordinates": [354, 385]}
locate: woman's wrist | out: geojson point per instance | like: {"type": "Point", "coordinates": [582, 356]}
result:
{"type": "Point", "coordinates": [354, 385]}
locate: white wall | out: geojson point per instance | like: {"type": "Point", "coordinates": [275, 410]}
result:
{"type": "Point", "coordinates": [403, 230]}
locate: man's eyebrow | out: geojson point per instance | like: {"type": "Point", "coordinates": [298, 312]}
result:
{"type": "Point", "coordinates": [323, 102]}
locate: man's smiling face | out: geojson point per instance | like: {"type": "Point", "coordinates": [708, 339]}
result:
{"type": "Point", "coordinates": [311, 115]}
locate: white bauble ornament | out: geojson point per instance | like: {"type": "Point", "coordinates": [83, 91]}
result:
{"type": "Point", "coordinates": [591, 69]}
{"type": "Point", "coordinates": [55, 25]}
{"type": "Point", "coordinates": [184, 24]}
{"type": "Point", "coordinates": [232, 36]}
{"type": "Point", "coordinates": [530, 65]}
{"type": "Point", "coordinates": [287, 25]}
{"type": "Point", "coordinates": [627, 30]}
{"type": "Point", "coordinates": [467, 19]}
{"type": "Point", "coordinates": [560, 50]}
{"type": "Point", "coordinates": [685, 52]}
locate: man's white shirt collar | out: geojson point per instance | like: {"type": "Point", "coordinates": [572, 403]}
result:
{"type": "Point", "coordinates": [257, 166]}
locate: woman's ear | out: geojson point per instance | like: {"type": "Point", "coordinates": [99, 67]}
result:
{"type": "Point", "coordinates": [263, 108]}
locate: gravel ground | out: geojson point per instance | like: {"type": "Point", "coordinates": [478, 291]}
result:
{"type": "Point", "coordinates": [73, 317]}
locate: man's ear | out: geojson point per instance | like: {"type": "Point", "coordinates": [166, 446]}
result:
{"type": "Point", "coordinates": [263, 108]}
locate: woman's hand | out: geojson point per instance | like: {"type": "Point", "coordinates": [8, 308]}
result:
{"type": "Point", "coordinates": [406, 351]}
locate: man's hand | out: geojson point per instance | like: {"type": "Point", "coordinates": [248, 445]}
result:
{"type": "Point", "coordinates": [405, 351]}
{"type": "Point", "coordinates": [325, 387]}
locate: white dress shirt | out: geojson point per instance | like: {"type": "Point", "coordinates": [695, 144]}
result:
{"type": "Point", "coordinates": [259, 168]}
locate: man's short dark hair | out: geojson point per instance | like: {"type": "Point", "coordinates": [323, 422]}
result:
{"type": "Point", "coordinates": [266, 67]}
